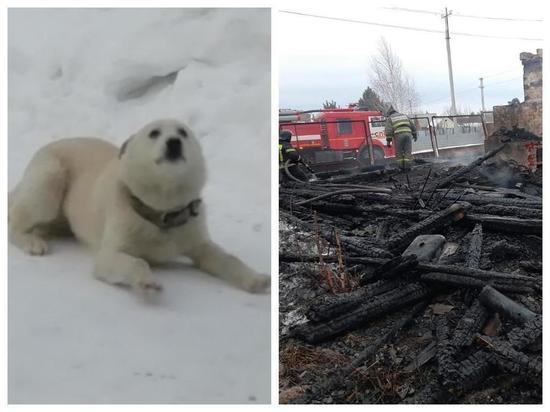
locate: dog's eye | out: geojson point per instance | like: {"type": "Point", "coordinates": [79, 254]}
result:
{"type": "Point", "coordinates": [154, 133]}
{"type": "Point", "coordinates": [182, 132]}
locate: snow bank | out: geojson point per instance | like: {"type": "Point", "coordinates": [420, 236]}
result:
{"type": "Point", "coordinates": [106, 72]}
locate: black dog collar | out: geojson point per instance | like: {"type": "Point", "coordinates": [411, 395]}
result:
{"type": "Point", "coordinates": [165, 219]}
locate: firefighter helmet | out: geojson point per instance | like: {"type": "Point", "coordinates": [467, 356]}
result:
{"type": "Point", "coordinates": [285, 136]}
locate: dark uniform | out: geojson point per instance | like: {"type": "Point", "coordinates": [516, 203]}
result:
{"type": "Point", "coordinates": [401, 131]}
{"type": "Point", "coordinates": [289, 159]}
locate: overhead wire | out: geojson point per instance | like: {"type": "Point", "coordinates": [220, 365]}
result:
{"type": "Point", "coordinates": [411, 28]}
{"type": "Point", "coordinates": [471, 89]}
{"type": "Point", "coordinates": [471, 16]}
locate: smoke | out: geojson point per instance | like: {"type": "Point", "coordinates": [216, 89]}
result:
{"type": "Point", "coordinates": [500, 175]}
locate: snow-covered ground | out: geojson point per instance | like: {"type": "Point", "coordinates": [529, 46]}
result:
{"type": "Point", "coordinates": [106, 72]}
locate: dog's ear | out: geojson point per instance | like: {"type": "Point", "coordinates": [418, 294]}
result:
{"type": "Point", "coordinates": [123, 147]}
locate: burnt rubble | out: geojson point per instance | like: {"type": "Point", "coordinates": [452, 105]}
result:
{"type": "Point", "coordinates": [412, 287]}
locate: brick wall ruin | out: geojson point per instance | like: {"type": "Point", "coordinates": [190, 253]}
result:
{"type": "Point", "coordinates": [527, 115]}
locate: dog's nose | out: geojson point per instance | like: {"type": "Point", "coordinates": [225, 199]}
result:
{"type": "Point", "coordinates": [173, 148]}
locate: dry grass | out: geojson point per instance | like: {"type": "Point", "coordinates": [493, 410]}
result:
{"type": "Point", "coordinates": [340, 281]}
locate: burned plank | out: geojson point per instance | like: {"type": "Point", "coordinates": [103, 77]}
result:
{"type": "Point", "coordinates": [474, 248]}
{"type": "Point", "coordinates": [469, 325]}
{"type": "Point", "coordinates": [436, 221]}
{"type": "Point", "coordinates": [510, 359]}
{"type": "Point", "coordinates": [344, 191]}
{"type": "Point", "coordinates": [472, 282]}
{"type": "Point", "coordinates": [500, 210]}
{"type": "Point", "coordinates": [507, 224]}
{"type": "Point", "coordinates": [395, 267]}
{"type": "Point", "coordinates": [422, 358]}
{"type": "Point", "coordinates": [343, 304]}
{"type": "Point", "coordinates": [383, 304]}
{"type": "Point", "coordinates": [486, 275]}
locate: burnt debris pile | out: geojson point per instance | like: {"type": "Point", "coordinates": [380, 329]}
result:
{"type": "Point", "coordinates": [416, 287]}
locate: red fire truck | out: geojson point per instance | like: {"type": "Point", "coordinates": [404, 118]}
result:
{"type": "Point", "coordinates": [337, 135]}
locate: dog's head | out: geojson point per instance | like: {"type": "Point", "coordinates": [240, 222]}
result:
{"type": "Point", "coordinates": [163, 153]}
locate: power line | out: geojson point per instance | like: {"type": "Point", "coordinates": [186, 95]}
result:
{"type": "Point", "coordinates": [412, 10]}
{"type": "Point", "coordinates": [471, 16]}
{"type": "Point", "coordinates": [395, 26]}
{"type": "Point", "coordinates": [499, 73]}
{"type": "Point", "coordinates": [471, 89]}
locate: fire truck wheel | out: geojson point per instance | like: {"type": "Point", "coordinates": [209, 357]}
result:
{"type": "Point", "coordinates": [364, 156]}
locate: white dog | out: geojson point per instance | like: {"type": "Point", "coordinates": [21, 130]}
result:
{"type": "Point", "coordinates": [135, 206]}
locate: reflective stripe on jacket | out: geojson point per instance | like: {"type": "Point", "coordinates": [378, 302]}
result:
{"type": "Point", "coordinates": [287, 152]}
{"type": "Point", "coordinates": [398, 123]}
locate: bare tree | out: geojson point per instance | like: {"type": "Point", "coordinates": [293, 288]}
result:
{"type": "Point", "coordinates": [390, 81]}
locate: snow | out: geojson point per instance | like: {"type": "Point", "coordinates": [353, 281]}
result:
{"type": "Point", "coordinates": [73, 339]}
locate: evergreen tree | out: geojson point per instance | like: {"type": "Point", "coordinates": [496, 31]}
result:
{"type": "Point", "coordinates": [330, 104]}
{"type": "Point", "coordinates": [371, 101]}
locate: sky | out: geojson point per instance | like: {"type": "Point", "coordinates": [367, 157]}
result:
{"type": "Point", "coordinates": [322, 59]}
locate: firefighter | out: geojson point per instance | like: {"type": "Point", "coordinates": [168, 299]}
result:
{"type": "Point", "coordinates": [289, 159]}
{"type": "Point", "coordinates": [401, 131]}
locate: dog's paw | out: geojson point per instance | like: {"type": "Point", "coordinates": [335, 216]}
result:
{"type": "Point", "coordinates": [33, 245]}
{"type": "Point", "coordinates": [257, 284]}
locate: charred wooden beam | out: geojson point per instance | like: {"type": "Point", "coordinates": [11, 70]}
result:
{"type": "Point", "coordinates": [445, 351]}
{"type": "Point", "coordinates": [501, 201]}
{"type": "Point", "coordinates": [502, 304]}
{"type": "Point", "coordinates": [358, 246]}
{"type": "Point", "coordinates": [422, 358]}
{"type": "Point", "coordinates": [470, 372]}
{"type": "Point", "coordinates": [507, 224]}
{"type": "Point", "coordinates": [500, 210]}
{"type": "Point", "coordinates": [473, 370]}
{"type": "Point", "coordinates": [477, 199]}
{"type": "Point", "coordinates": [395, 267]}
{"type": "Point", "coordinates": [288, 257]}
{"type": "Point", "coordinates": [337, 209]}
{"type": "Point", "coordinates": [526, 334]}
{"type": "Point", "coordinates": [471, 282]}
{"type": "Point", "coordinates": [474, 248]}
{"type": "Point", "coordinates": [469, 325]}
{"type": "Point", "coordinates": [509, 359]}
{"type": "Point", "coordinates": [380, 305]}
{"type": "Point", "coordinates": [344, 191]}
{"type": "Point", "coordinates": [434, 222]}
{"type": "Point", "coordinates": [531, 266]}
{"type": "Point", "coordinates": [485, 275]}
{"type": "Point", "coordinates": [342, 304]}
{"type": "Point", "coordinates": [360, 177]}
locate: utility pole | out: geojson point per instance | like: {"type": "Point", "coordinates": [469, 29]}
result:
{"type": "Point", "coordinates": [482, 94]}
{"type": "Point", "coordinates": [410, 106]}
{"type": "Point", "coordinates": [448, 39]}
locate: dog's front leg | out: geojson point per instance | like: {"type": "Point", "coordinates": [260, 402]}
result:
{"type": "Point", "coordinates": [119, 268]}
{"type": "Point", "coordinates": [212, 259]}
